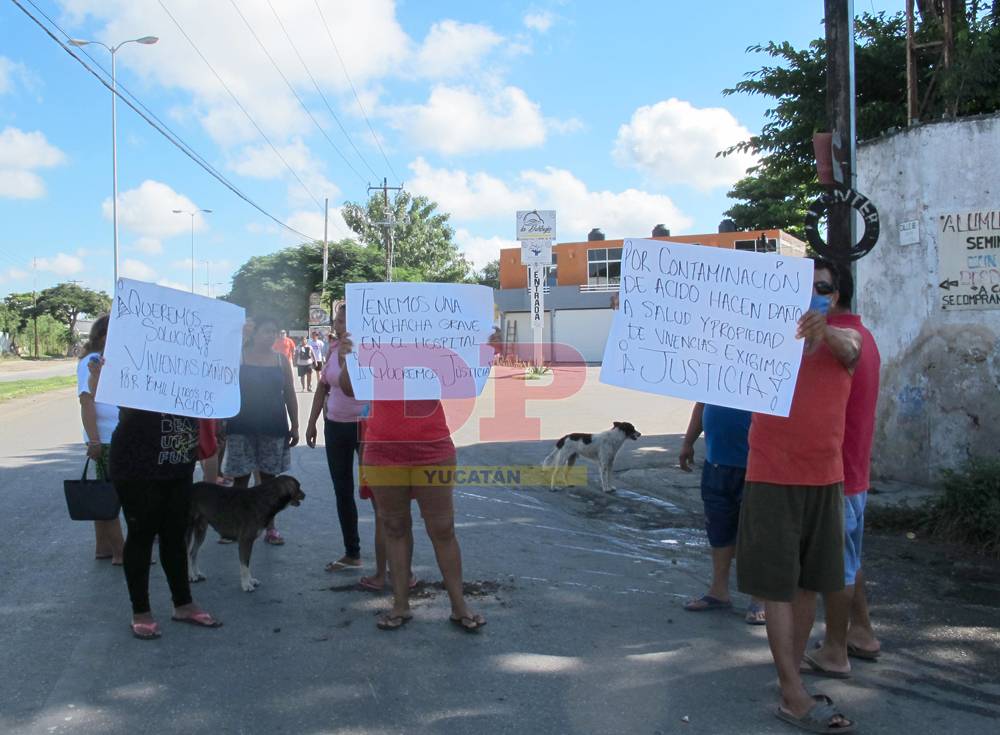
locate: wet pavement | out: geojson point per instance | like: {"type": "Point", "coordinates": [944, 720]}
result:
{"type": "Point", "coordinates": [583, 592]}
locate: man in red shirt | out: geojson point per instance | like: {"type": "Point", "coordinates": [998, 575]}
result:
{"type": "Point", "coordinates": [284, 345]}
{"type": "Point", "coordinates": [791, 538]}
{"type": "Point", "coordinates": [848, 627]}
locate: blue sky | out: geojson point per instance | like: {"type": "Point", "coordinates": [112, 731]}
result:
{"type": "Point", "coordinates": [610, 114]}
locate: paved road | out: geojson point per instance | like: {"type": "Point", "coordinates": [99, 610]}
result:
{"type": "Point", "coordinates": [29, 370]}
{"type": "Point", "coordinates": [586, 634]}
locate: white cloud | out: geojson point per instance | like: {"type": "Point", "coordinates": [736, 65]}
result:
{"type": "Point", "coordinates": [675, 143]}
{"type": "Point", "coordinates": [540, 22]}
{"type": "Point", "coordinates": [174, 284]}
{"type": "Point", "coordinates": [464, 195]}
{"type": "Point", "coordinates": [310, 222]}
{"type": "Point", "coordinates": [214, 266]}
{"type": "Point", "coordinates": [12, 274]}
{"type": "Point", "coordinates": [224, 40]}
{"type": "Point", "coordinates": [471, 196]}
{"type": "Point", "coordinates": [61, 264]}
{"type": "Point", "coordinates": [9, 72]}
{"type": "Point", "coordinates": [451, 49]}
{"type": "Point", "coordinates": [148, 246]}
{"type": "Point", "coordinates": [132, 268]}
{"type": "Point", "coordinates": [20, 154]}
{"type": "Point", "coordinates": [481, 250]}
{"type": "Point", "coordinates": [626, 213]}
{"type": "Point", "coordinates": [461, 120]}
{"type": "Point", "coordinates": [147, 211]}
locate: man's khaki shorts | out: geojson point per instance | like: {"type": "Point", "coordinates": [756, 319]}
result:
{"type": "Point", "coordinates": [790, 537]}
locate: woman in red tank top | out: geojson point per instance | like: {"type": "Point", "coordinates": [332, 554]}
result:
{"type": "Point", "coordinates": [403, 441]}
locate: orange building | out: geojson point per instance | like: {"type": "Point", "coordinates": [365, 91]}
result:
{"type": "Point", "coordinates": [583, 278]}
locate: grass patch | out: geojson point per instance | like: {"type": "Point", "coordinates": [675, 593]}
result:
{"type": "Point", "coordinates": [967, 512]}
{"type": "Point", "coordinates": [21, 388]}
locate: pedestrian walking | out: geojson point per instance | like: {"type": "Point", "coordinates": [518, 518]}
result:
{"type": "Point", "coordinates": [99, 422]}
{"type": "Point", "coordinates": [849, 632]}
{"type": "Point", "coordinates": [791, 538]}
{"type": "Point", "coordinates": [319, 351]}
{"type": "Point", "coordinates": [284, 345]}
{"type": "Point", "coordinates": [722, 477]}
{"type": "Point", "coordinates": [402, 439]}
{"type": "Point", "coordinates": [259, 438]}
{"type": "Point", "coordinates": [304, 363]}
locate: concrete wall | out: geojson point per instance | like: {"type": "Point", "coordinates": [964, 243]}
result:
{"type": "Point", "coordinates": [940, 402]}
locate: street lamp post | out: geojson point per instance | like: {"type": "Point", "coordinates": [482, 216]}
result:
{"type": "Point", "coordinates": [146, 41]}
{"type": "Point", "coordinates": [192, 213]}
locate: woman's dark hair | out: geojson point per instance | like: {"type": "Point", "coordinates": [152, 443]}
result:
{"type": "Point", "coordinates": [97, 337]}
{"type": "Point", "coordinates": [846, 287]}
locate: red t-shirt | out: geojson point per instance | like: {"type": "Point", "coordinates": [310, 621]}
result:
{"type": "Point", "coordinates": [284, 347]}
{"type": "Point", "coordinates": [860, 420]}
{"type": "Point", "coordinates": [806, 447]}
{"type": "Point", "coordinates": [407, 433]}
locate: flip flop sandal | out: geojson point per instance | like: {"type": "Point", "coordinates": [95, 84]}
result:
{"type": "Point", "coordinates": [339, 566]}
{"type": "Point", "coordinates": [478, 621]}
{"type": "Point", "coordinates": [815, 667]}
{"type": "Point", "coordinates": [145, 631]}
{"type": "Point", "coordinates": [200, 620]}
{"type": "Point", "coordinates": [392, 622]}
{"type": "Point", "coordinates": [753, 616]}
{"type": "Point", "coordinates": [710, 603]}
{"type": "Point", "coordinates": [366, 583]}
{"type": "Point", "coordinates": [817, 719]}
{"type": "Point", "coordinates": [862, 654]}
{"type": "Point", "coordinates": [102, 556]}
{"type": "Point", "coordinates": [274, 538]}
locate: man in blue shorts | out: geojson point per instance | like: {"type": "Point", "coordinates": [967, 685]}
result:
{"type": "Point", "coordinates": [721, 492]}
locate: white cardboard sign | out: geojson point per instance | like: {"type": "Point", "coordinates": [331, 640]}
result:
{"type": "Point", "coordinates": [969, 260]}
{"type": "Point", "coordinates": [709, 324]}
{"type": "Point", "coordinates": [173, 352]}
{"type": "Point", "coordinates": [418, 341]}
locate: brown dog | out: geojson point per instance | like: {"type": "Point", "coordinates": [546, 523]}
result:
{"type": "Point", "coordinates": [238, 514]}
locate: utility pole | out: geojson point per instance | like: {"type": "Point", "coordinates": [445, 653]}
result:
{"type": "Point", "coordinates": [326, 243]}
{"type": "Point", "coordinates": [840, 110]}
{"type": "Point", "coordinates": [387, 224]}
{"type": "Point", "coordinates": [34, 301]}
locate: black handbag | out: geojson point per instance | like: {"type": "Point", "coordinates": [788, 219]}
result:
{"type": "Point", "coordinates": [91, 500]}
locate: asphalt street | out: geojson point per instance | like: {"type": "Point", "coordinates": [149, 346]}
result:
{"type": "Point", "coordinates": [583, 594]}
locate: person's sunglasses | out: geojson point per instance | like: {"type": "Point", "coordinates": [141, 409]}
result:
{"type": "Point", "coordinates": [823, 288]}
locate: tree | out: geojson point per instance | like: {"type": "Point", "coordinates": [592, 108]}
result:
{"type": "Point", "coordinates": [278, 285]}
{"type": "Point", "coordinates": [422, 238]}
{"type": "Point", "coordinates": [20, 308]}
{"type": "Point", "coordinates": [777, 191]}
{"type": "Point", "coordinates": [489, 275]}
{"type": "Point", "coordinates": [66, 302]}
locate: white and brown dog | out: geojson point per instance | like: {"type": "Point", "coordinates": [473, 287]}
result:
{"type": "Point", "coordinates": [599, 448]}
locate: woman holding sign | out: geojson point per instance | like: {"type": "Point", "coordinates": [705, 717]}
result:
{"type": "Point", "coordinates": [403, 440]}
{"type": "Point", "coordinates": [259, 438]}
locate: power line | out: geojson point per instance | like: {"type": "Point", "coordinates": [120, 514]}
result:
{"type": "Point", "coordinates": [238, 103]}
{"type": "Point", "coordinates": [355, 91]}
{"type": "Point", "coordinates": [320, 91]}
{"type": "Point", "coordinates": [292, 89]}
{"type": "Point", "coordinates": [149, 119]}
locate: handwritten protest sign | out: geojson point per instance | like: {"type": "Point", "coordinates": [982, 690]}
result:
{"type": "Point", "coordinates": [419, 340]}
{"type": "Point", "coordinates": [172, 351]}
{"type": "Point", "coordinates": [709, 324]}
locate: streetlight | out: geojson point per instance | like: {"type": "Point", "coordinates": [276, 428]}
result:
{"type": "Point", "coordinates": [146, 41]}
{"type": "Point", "coordinates": [192, 213]}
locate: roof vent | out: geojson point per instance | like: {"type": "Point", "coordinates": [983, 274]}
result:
{"type": "Point", "coordinates": [727, 225]}
{"type": "Point", "coordinates": [595, 234]}
{"type": "Point", "coordinates": [661, 231]}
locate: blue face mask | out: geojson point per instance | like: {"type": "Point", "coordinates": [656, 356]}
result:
{"type": "Point", "coordinates": [820, 304]}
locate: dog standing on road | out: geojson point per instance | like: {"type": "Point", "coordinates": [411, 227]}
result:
{"type": "Point", "coordinates": [238, 514]}
{"type": "Point", "coordinates": [599, 448]}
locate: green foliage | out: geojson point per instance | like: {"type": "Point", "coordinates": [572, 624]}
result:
{"type": "Point", "coordinates": [21, 388]}
{"type": "Point", "coordinates": [969, 509]}
{"type": "Point", "coordinates": [18, 310]}
{"type": "Point", "coordinates": [777, 191]}
{"type": "Point", "coordinates": [489, 275]}
{"type": "Point", "coordinates": [66, 302]}
{"type": "Point", "coordinates": [278, 284]}
{"type": "Point", "coordinates": [422, 238]}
